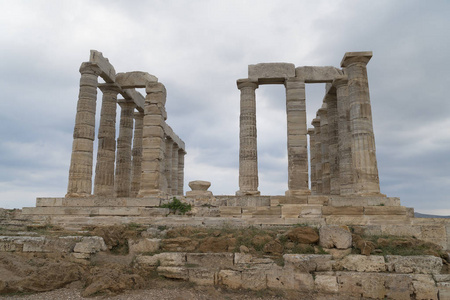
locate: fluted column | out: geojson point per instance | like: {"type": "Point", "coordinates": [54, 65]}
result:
{"type": "Point", "coordinates": [366, 179]}
{"type": "Point", "coordinates": [318, 155]}
{"type": "Point", "coordinates": [122, 182]}
{"type": "Point", "coordinates": [137, 154]}
{"type": "Point", "coordinates": [312, 160]}
{"type": "Point", "coordinates": [153, 144]}
{"type": "Point", "coordinates": [297, 142]}
{"type": "Point", "coordinates": [333, 143]}
{"type": "Point", "coordinates": [248, 156]}
{"type": "Point", "coordinates": [181, 154]}
{"type": "Point", "coordinates": [80, 172]}
{"type": "Point", "coordinates": [168, 160]}
{"type": "Point", "coordinates": [324, 149]}
{"type": "Point", "coordinates": [106, 153]}
{"type": "Point", "coordinates": [174, 175]}
{"type": "Point", "coordinates": [345, 139]}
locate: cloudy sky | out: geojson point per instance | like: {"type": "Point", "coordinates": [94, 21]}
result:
{"type": "Point", "coordinates": [198, 49]}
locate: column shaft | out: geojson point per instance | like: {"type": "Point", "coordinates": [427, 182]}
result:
{"type": "Point", "coordinates": [169, 160]}
{"type": "Point", "coordinates": [181, 155]}
{"type": "Point", "coordinates": [312, 157]}
{"type": "Point", "coordinates": [137, 154]}
{"type": "Point", "coordinates": [80, 172]}
{"type": "Point", "coordinates": [123, 163]}
{"type": "Point", "coordinates": [333, 143]}
{"type": "Point", "coordinates": [174, 175]}
{"type": "Point", "coordinates": [318, 154]}
{"type": "Point", "coordinates": [324, 149]}
{"type": "Point", "coordinates": [248, 157]}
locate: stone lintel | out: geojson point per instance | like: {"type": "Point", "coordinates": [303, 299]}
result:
{"type": "Point", "coordinates": [271, 73]}
{"type": "Point", "coordinates": [175, 138]}
{"type": "Point", "coordinates": [135, 79]}
{"type": "Point", "coordinates": [108, 73]}
{"type": "Point", "coordinates": [351, 57]}
{"type": "Point", "coordinates": [310, 74]}
{"type": "Point", "coordinates": [135, 96]}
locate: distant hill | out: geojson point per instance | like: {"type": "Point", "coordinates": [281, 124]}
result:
{"type": "Point", "coordinates": [419, 215]}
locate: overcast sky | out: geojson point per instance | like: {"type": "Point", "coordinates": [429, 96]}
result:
{"type": "Point", "coordinates": [198, 49]}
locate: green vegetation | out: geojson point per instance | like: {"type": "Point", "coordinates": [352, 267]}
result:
{"type": "Point", "coordinates": [177, 207]}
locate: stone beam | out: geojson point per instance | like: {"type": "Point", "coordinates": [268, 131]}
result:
{"type": "Point", "coordinates": [175, 138]}
{"type": "Point", "coordinates": [135, 96]}
{"type": "Point", "coordinates": [317, 74]}
{"type": "Point", "coordinates": [271, 73]}
{"type": "Point", "coordinates": [135, 79]}
{"type": "Point", "coordinates": [107, 70]}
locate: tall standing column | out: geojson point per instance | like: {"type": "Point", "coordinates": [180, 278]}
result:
{"type": "Point", "coordinates": [345, 139]}
{"type": "Point", "coordinates": [153, 143]}
{"type": "Point", "coordinates": [123, 163]}
{"type": "Point", "coordinates": [366, 179]}
{"type": "Point", "coordinates": [106, 153]}
{"type": "Point", "coordinates": [80, 172]}
{"type": "Point", "coordinates": [333, 143]}
{"type": "Point", "coordinates": [174, 189]}
{"type": "Point", "coordinates": [181, 154]}
{"type": "Point", "coordinates": [137, 154]}
{"type": "Point", "coordinates": [248, 156]}
{"type": "Point", "coordinates": [318, 155]}
{"type": "Point", "coordinates": [312, 159]}
{"type": "Point", "coordinates": [168, 160]}
{"type": "Point", "coordinates": [324, 149]}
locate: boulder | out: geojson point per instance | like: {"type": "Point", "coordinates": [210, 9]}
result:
{"type": "Point", "coordinates": [303, 235]}
{"type": "Point", "coordinates": [335, 237]}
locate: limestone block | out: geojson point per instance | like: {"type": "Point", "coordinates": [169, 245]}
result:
{"type": "Point", "coordinates": [199, 185]}
{"type": "Point", "coordinates": [243, 259]}
{"type": "Point", "coordinates": [424, 287]}
{"type": "Point", "coordinates": [118, 211]}
{"type": "Point", "coordinates": [389, 201]}
{"type": "Point", "coordinates": [230, 211]}
{"type": "Point", "coordinates": [349, 284]}
{"type": "Point", "coordinates": [108, 72]}
{"type": "Point", "coordinates": [362, 263]}
{"type": "Point", "coordinates": [343, 210]}
{"type": "Point", "coordinates": [373, 285]}
{"type": "Point", "coordinates": [338, 253]}
{"type": "Point", "coordinates": [210, 260]}
{"type": "Point", "coordinates": [166, 259]}
{"type": "Point", "coordinates": [401, 230]}
{"type": "Point", "coordinates": [423, 264]}
{"type": "Point", "coordinates": [285, 279]}
{"type": "Point", "coordinates": [81, 255]}
{"type": "Point", "coordinates": [291, 210]}
{"type": "Point", "coordinates": [320, 200]}
{"type": "Point", "coordinates": [146, 201]}
{"type": "Point", "coordinates": [271, 72]}
{"type": "Point", "coordinates": [338, 201]}
{"type": "Point", "coordinates": [307, 263]}
{"type": "Point", "coordinates": [444, 290]}
{"type": "Point", "coordinates": [173, 272]}
{"type": "Point", "coordinates": [254, 279]}
{"type": "Point", "coordinates": [49, 201]}
{"type": "Point", "coordinates": [202, 276]}
{"type": "Point", "coordinates": [326, 284]}
{"type": "Point", "coordinates": [335, 237]}
{"type": "Point", "coordinates": [311, 74]}
{"type": "Point", "coordinates": [179, 244]}
{"type": "Point", "coordinates": [398, 286]}
{"type": "Point", "coordinates": [153, 212]}
{"type": "Point", "coordinates": [91, 244]}
{"type": "Point", "coordinates": [311, 221]}
{"type": "Point", "coordinates": [387, 219]}
{"type": "Point", "coordinates": [35, 244]}
{"type": "Point", "coordinates": [347, 220]}
{"type": "Point", "coordinates": [144, 245]}
{"type": "Point", "coordinates": [134, 79]}
{"type": "Point", "coordinates": [441, 277]}
{"type": "Point", "coordinates": [385, 210]}
{"type": "Point", "coordinates": [230, 278]}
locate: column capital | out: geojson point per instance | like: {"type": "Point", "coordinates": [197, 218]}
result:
{"type": "Point", "coordinates": [242, 83]}
{"type": "Point", "coordinates": [111, 88]}
{"type": "Point", "coordinates": [139, 115]}
{"type": "Point", "coordinates": [90, 68]}
{"type": "Point", "coordinates": [310, 131]}
{"type": "Point", "coordinates": [323, 109]}
{"type": "Point", "coordinates": [315, 122]}
{"type": "Point", "coordinates": [356, 57]}
{"type": "Point", "coordinates": [340, 81]}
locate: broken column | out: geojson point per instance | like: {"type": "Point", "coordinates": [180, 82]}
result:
{"type": "Point", "coordinates": [248, 157]}
{"type": "Point", "coordinates": [366, 179]}
{"type": "Point", "coordinates": [137, 154]}
{"type": "Point", "coordinates": [80, 172]}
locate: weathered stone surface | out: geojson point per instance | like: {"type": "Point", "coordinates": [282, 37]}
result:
{"type": "Point", "coordinates": [343, 210]}
{"type": "Point", "coordinates": [326, 283]}
{"type": "Point", "coordinates": [307, 263]}
{"type": "Point", "coordinates": [285, 279]}
{"type": "Point", "coordinates": [179, 244]}
{"type": "Point", "coordinates": [254, 279]}
{"type": "Point", "coordinates": [135, 79]}
{"type": "Point", "coordinates": [90, 245]}
{"type": "Point", "coordinates": [173, 259]}
{"type": "Point", "coordinates": [210, 260]}
{"type": "Point", "coordinates": [424, 287]}
{"type": "Point", "coordinates": [303, 235]}
{"type": "Point", "coordinates": [398, 287]}
{"type": "Point", "coordinates": [201, 276]}
{"type": "Point", "coordinates": [335, 237]}
{"type": "Point", "coordinates": [144, 245]}
{"type": "Point", "coordinates": [173, 272]}
{"type": "Point", "coordinates": [230, 278]}
{"type": "Point", "coordinates": [424, 264]}
{"type": "Point", "coordinates": [362, 263]}
{"type": "Point", "coordinates": [338, 253]}
{"type": "Point", "coordinates": [272, 72]}
{"type": "Point", "coordinates": [273, 247]}
{"type": "Point", "coordinates": [311, 74]}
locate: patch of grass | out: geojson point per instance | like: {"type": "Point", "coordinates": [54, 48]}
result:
{"type": "Point", "coordinates": [404, 246]}
{"type": "Point", "coordinates": [162, 227]}
{"type": "Point", "coordinates": [176, 206]}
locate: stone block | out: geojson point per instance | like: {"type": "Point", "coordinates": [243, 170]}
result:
{"type": "Point", "coordinates": [401, 230]}
{"type": "Point", "coordinates": [210, 260]}
{"type": "Point", "coordinates": [338, 253]}
{"type": "Point", "coordinates": [118, 211]}
{"type": "Point", "coordinates": [398, 286]}
{"type": "Point", "coordinates": [443, 290]}
{"type": "Point", "coordinates": [202, 276]}
{"type": "Point", "coordinates": [310, 221]}
{"type": "Point", "coordinates": [144, 245]}
{"type": "Point", "coordinates": [230, 278]}
{"type": "Point", "coordinates": [373, 285]}
{"type": "Point", "coordinates": [173, 272]}
{"type": "Point", "coordinates": [338, 201]}
{"type": "Point", "coordinates": [49, 201]}
{"type": "Point", "coordinates": [153, 212]}
{"type": "Point", "coordinates": [387, 219]}
{"type": "Point", "coordinates": [254, 279]}
{"type": "Point", "coordinates": [326, 284]}
{"type": "Point", "coordinates": [271, 72]}
{"type": "Point", "coordinates": [335, 237]}
{"type": "Point", "coordinates": [362, 263]}
{"type": "Point", "coordinates": [230, 211]}
{"type": "Point", "coordinates": [423, 264]}
{"type": "Point", "coordinates": [385, 210]}
{"type": "Point", "coordinates": [135, 79]}
{"type": "Point", "coordinates": [241, 259]}
{"type": "Point", "coordinates": [147, 202]}
{"type": "Point", "coordinates": [81, 255]}
{"type": "Point", "coordinates": [343, 210]}
{"type": "Point", "coordinates": [90, 244]}
{"type": "Point", "coordinates": [349, 284]}
{"type": "Point", "coordinates": [318, 200]}
{"type": "Point", "coordinates": [306, 263]}
{"type": "Point", "coordinates": [108, 73]}
{"type": "Point", "coordinates": [390, 201]}
{"type": "Point", "coordinates": [291, 210]}
{"type": "Point", "coordinates": [285, 279]}
{"type": "Point", "coordinates": [311, 74]}
{"type": "Point", "coordinates": [424, 287]}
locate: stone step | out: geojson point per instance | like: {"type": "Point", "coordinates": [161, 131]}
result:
{"type": "Point", "coordinates": [96, 211]}
{"type": "Point", "coordinates": [98, 202]}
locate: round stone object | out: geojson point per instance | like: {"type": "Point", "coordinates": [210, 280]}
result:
{"type": "Point", "coordinates": [199, 185]}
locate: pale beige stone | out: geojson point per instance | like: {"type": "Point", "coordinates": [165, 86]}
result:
{"type": "Point", "coordinates": [326, 284]}
{"type": "Point", "coordinates": [107, 70]}
{"type": "Point", "coordinates": [144, 245]}
{"type": "Point", "coordinates": [210, 260]}
{"type": "Point", "coordinates": [230, 278]}
{"type": "Point", "coordinates": [254, 279]}
{"type": "Point", "coordinates": [271, 72]}
{"type": "Point", "coordinates": [90, 245]}
{"type": "Point", "coordinates": [423, 264]}
{"type": "Point", "coordinates": [135, 79]}
{"type": "Point", "coordinates": [362, 263]}
{"type": "Point", "coordinates": [335, 237]}
{"type": "Point", "coordinates": [173, 272]}
{"type": "Point", "coordinates": [425, 287]}
{"type": "Point", "coordinates": [201, 276]}
{"type": "Point", "coordinates": [307, 263]}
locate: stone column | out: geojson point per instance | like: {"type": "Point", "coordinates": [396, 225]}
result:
{"type": "Point", "coordinates": [181, 154]}
{"type": "Point", "coordinates": [312, 159]}
{"type": "Point", "coordinates": [318, 155]}
{"type": "Point", "coordinates": [174, 176]}
{"type": "Point", "coordinates": [333, 144]}
{"type": "Point", "coordinates": [366, 181]}
{"type": "Point", "coordinates": [106, 153]}
{"type": "Point", "coordinates": [345, 139]}
{"type": "Point", "coordinates": [137, 154]}
{"type": "Point", "coordinates": [297, 142]}
{"type": "Point", "coordinates": [153, 143]}
{"type": "Point", "coordinates": [168, 160]}
{"type": "Point", "coordinates": [80, 172]}
{"type": "Point", "coordinates": [324, 149]}
{"type": "Point", "coordinates": [248, 155]}
{"type": "Point", "coordinates": [122, 184]}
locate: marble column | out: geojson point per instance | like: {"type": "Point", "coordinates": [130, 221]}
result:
{"type": "Point", "coordinates": [345, 139]}
{"type": "Point", "coordinates": [312, 159]}
{"type": "Point", "coordinates": [181, 154]}
{"type": "Point", "coordinates": [153, 181]}
{"type": "Point", "coordinates": [137, 154]}
{"type": "Point", "coordinates": [324, 149]}
{"type": "Point", "coordinates": [366, 181]}
{"type": "Point", "coordinates": [168, 160]}
{"type": "Point", "coordinates": [318, 155]}
{"type": "Point", "coordinates": [80, 172]}
{"type": "Point", "coordinates": [248, 157]}
{"type": "Point", "coordinates": [174, 175]}
{"type": "Point", "coordinates": [106, 153]}
{"type": "Point", "coordinates": [122, 184]}
{"type": "Point", "coordinates": [333, 143]}
{"type": "Point", "coordinates": [297, 142]}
